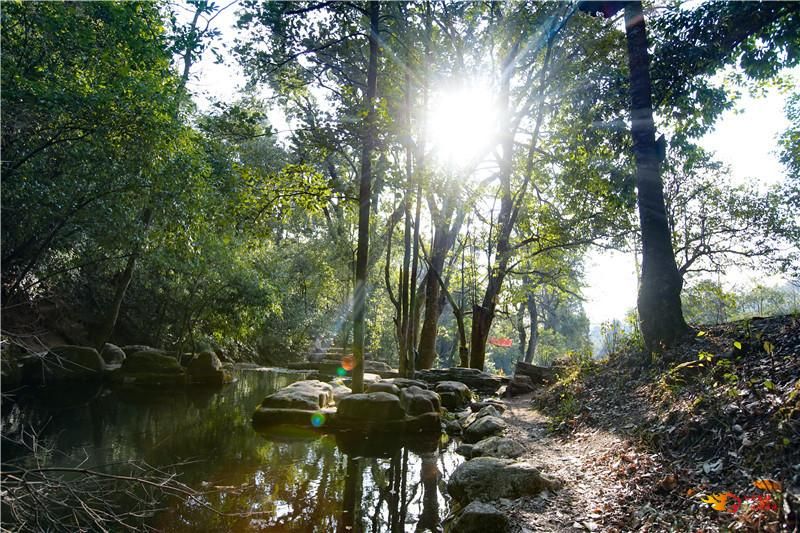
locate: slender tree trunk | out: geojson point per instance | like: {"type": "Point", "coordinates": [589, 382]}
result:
{"type": "Point", "coordinates": [414, 307]}
{"type": "Point", "coordinates": [483, 315]}
{"type": "Point", "coordinates": [442, 243]}
{"type": "Point", "coordinates": [521, 332]}
{"type": "Point", "coordinates": [362, 253]}
{"type": "Point", "coordinates": [458, 312]}
{"type": "Point", "coordinates": [110, 321]}
{"type": "Point", "coordinates": [533, 339]}
{"type": "Point", "coordinates": [659, 301]}
{"type": "Point", "coordinates": [405, 269]}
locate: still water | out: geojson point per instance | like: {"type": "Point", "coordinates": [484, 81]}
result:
{"type": "Point", "coordinates": [250, 480]}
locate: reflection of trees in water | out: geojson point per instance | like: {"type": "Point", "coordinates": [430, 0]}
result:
{"type": "Point", "coordinates": [297, 481]}
{"type": "Point", "coordinates": [401, 485]}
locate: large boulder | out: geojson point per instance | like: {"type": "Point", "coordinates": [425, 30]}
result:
{"type": "Point", "coordinates": [134, 348]}
{"type": "Point", "coordinates": [454, 394]}
{"type": "Point", "coordinates": [519, 384]}
{"type": "Point", "coordinates": [206, 368]}
{"type": "Point", "coordinates": [371, 407]}
{"type": "Point", "coordinates": [482, 428]}
{"type": "Point", "coordinates": [537, 374]}
{"type": "Point", "coordinates": [294, 417]}
{"type": "Point", "coordinates": [150, 368]}
{"type": "Point", "coordinates": [488, 479]}
{"type": "Point", "coordinates": [417, 401]}
{"type": "Point", "coordinates": [112, 354]}
{"type": "Point", "coordinates": [479, 517]}
{"type": "Point", "coordinates": [473, 378]}
{"type": "Point", "coordinates": [309, 395]}
{"type": "Point", "coordinates": [68, 363]}
{"type": "Point", "coordinates": [382, 386]}
{"type": "Point", "coordinates": [377, 367]}
{"type": "Point", "coordinates": [500, 447]}
{"type": "Point", "coordinates": [151, 361]}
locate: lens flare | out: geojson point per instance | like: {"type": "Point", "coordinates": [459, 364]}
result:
{"type": "Point", "coordinates": [348, 362]}
{"type": "Point", "coordinates": [341, 372]}
{"type": "Point", "coordinates": [317, 420]}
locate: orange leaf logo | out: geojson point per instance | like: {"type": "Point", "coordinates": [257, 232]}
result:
{"type": "Point", "coordinates": [719, 501]}
{"type": "Point", "coordinates": [716, 501]}
{"type": "Point", "coordinates": [768, 484]}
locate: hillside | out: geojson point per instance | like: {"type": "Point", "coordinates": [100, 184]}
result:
{"type": "Point", "coordinates": [646, 447]}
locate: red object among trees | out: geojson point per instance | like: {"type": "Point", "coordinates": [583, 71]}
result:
{"type": "Point", "coordinates": [502, 342]}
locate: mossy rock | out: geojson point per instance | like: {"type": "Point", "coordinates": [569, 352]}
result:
{"type": "Point", "coordinates": [131, 349]}
{"type": "Point", "coordinates": [151, 363]}
{"type": "Point", "coordinates": [206, 369]}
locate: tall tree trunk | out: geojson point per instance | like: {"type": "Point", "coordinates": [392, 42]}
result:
{"type": "Point", "coordinates": [533, 339]}
{"type": "Point", "coordinates": [362, 253]}
{"type": "Point", "coordinates": [522, 333]}
{"type": "Point", "coordinates": [430, 323]}
{"type": "Point", "coordinates": [458, 312]}
{"type": "Point", "coordinates": [659, 301]}
{"type": "Point", "coordinates": [443, 241]}
{"type": "Point", "coordinates": [405, 299]}
{"type": "Point", "coordinates": [483, 315]}
{"type": "Point", "coordinates": [414, 307]}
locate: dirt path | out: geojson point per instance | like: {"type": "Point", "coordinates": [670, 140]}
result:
{"type": "Point", "coordinates": [593, 466]}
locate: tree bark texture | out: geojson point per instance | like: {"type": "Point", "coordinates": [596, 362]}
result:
{"type": "Point", "coordinates": [362, 252]}
{"type": "Point", "coordinates": [659, 301]}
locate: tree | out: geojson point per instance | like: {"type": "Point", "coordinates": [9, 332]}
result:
{"type": "Point", "coordinates": [87, 94]}
{"type": "Point", "coordinates": [659, 302]}
{"type": "Point", "coordinates": [714, 224]}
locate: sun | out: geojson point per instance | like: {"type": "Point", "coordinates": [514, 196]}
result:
{"type": "Point", "coordinates": [462, 124]}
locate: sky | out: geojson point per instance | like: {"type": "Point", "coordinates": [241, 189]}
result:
{"type": "Point", "coordinates": [744, 138]}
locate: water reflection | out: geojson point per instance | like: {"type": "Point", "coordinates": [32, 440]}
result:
{"type": "Point", "coordinates": [268, 481]}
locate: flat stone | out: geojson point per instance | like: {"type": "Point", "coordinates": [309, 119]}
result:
{"type": "Point", "coordinates": [489, 478]}
{"type": "Point", "coordinates": [473, 378]}
{"type": "Point", "coordinates": [500, 447]}
{"type": "Point", "coordinates": [373, 407]}
{"type": "Point", "coordinates": [310, 395]}
{"type": "Point", "coordinates": [295, 417]}
{"type": "Point", "coordinates": [478, 517]}
{"type": "Point", "coordinates": [482, 428]}
{"type": "Point", "coordinates": [382, 386]}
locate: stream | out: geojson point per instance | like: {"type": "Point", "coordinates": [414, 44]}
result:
{"type": "Point", "coordinates": [249, 480]}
